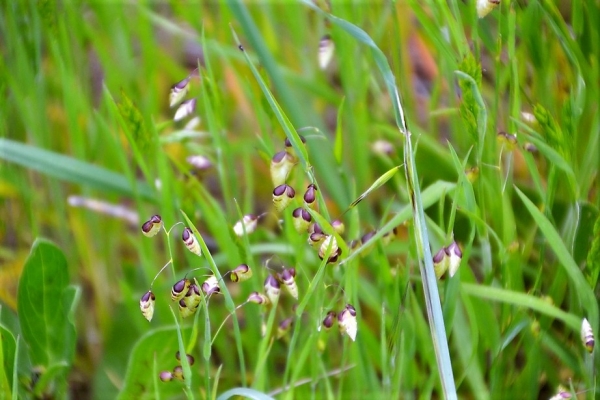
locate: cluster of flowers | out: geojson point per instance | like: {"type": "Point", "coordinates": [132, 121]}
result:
{"type": "Point", "coordinates": [186, 292]}
{"type": "Point", "coordinates": [177, 373]}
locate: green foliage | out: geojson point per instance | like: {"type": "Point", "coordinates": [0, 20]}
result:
{"type": "Point", "coordinates": [46, 306]}
{"type": "Point", "coordinates": [593, 256]}
{"type": "Point", "coordinates": [469, 109]}
{"type": "Point", "coordinates": [89, 150]}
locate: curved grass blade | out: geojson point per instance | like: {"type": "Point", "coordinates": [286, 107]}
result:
{"type": "Point", "coordinates": [587, 299]}
{"type": "Point", "coordinates": [522, 300]}
{"type": "Point", "coordinates": [287, 126]}
{"type": "Point", "coordinates": [187, 371]}
{"type": "Point", "coordinates": [245, 393]}
{"type": "Point", "coordinates": [72, 170]}
{"type": "Point", "coordinates": [432, 300]}
{"type": "Point", "coordinates": [376, 185]}
{"type": "Point", "coordinates": [431, 195]}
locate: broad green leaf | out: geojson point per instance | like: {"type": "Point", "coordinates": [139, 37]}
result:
{"type": "Point", "coordinates": [161, 344]}
{"type": "Point", "coordinates": [43, 298]}
{"type": "Point", "coordinates": [7, 358]}
{"type": "Point", "coordinates": [245, 393]}
{"type": "Point", "coordinates": [587, 299]}
{"type": "Point", "coordinates": [71, 170]}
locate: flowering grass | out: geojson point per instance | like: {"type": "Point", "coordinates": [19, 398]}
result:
{"type": "Point", "coordinates": [454, 162]}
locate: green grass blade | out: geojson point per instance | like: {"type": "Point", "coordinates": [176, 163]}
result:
{"type": "Point", "coordinates": [522, 300]}
{"type": "Point", "coordinates": [587, 299]}
{"type": "Point", "coordinates": [287, 126]}
{"type": "Point", "coordinates": [71, 170]}
{"type": "Point", "coordinates": [229, 304]}
{"type": "Point", "coordinates": [379, 182]}
{"type": "Point", "coordinates": [434, 309]}
{"type": "Point", "coordinates": [245, 393]}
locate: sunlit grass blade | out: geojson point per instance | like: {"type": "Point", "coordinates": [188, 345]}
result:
{"type": "Point", "coordinates": [245, 393]}
{"type": "Point", "coordinates": [431, 195]}
{"type": "Point", "coordinates": [379, 182]}
{"type": "Point", "coordinates": [71, 170]}
{"type": "Point", "coordinates": [287, 126]}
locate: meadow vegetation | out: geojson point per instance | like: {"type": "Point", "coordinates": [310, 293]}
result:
{"type": "Point", "coordinates": [416, 217]}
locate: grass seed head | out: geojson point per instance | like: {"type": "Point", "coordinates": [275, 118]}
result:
{"type": "Point", "coordinates": [290, 149]}
{"type": "Point", "coordinates": [191, 242]}
{"type": "Point", "coordinates": [152, 226]}
{"type": "Point", "coordinates": [258, 298]}
{"type": "Point", "coordinates": [188, 356]}
{"type": "Point", "coordinates": [249, 222]}
{"type": "Point", "coordinates": [338, 226]}
{"type": "Point", "coordinates": [484, 7]}
{"type": "Point", "coordinates": [199, 162]}
{"type": "Point", "coordinates": [316, 239]}
{"type": "Point", "coordinates": [288, 277]}
{"type": "Point", "coordinates": [587, 335]}
{"type": "Point", "coordinates": [347, 321]}
{"type": "Point", "coordinates": [178, 91]}
{"type": "Point", "coordinates": [454, 258]}
{"type": "Point", "coordinates": [147, 305]}
{"type": "Point", "coordinates": [165, 376]}
{"type": "Point", "coordinates": [301, 219]}
{"type": "Point", "coordinates": [283, 196]}
{"type": "Point", "coordinates": [326, 49]}
{"type": "Point", "coordinates": [282, 164]}
{"type": "Point", "coordinates": [178, 373]}
{"type": "Point", "coordinates": [472, 174]}
{"type": "Point", "coordinates": [211, 286]}
{"type": "Point", "coordinates": [329, 247]}
{"type": "Point", "coordinates": [272, 288]}
{"type": "Point", "coordinates": [310, 196]}
{"type": "Point", "coordinates": [186, 109]}
{"type": "Point", "coordinates": [562, 393]}
{"type": "Point", "coordinates": [184, 310]}
{"type": "Point", "coordinates": [284, 327]}
{"type": "Point", "coordinates": [508, 140]}
{"type": "Point", "coordinates": [192, 297]}
{"type": "Point", "coordinates": [440, 263]}
{"type": "Point", "coordinates": [329, 320]}
{"type": "Point", "coordinates": [241, 273]}
{"type": "Point", "coordinates": [180, 289]}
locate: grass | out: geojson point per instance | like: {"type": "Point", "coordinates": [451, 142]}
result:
{"type": "Point", "coordinates": [85, 111]}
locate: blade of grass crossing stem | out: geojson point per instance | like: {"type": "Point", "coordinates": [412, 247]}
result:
{"type": "Point", "coordinates": [376, 185]}
{"type": "Point", "coordinates": [587, 299]}
{"type": "Point", "coordinates": [287, 126]}
{"type": "Point", "coordinates": [229, 304]}
{"type": "Point", "coordinates": [432, 300]}
{"type": "Point", "coordinates": [187, 371]}
{"type": "Point", "coordinates": [430, 196]}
